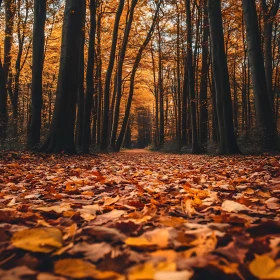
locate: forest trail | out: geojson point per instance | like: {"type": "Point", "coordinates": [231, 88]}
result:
{"type": "Point", "coordinates": [137, 151]}
{"type": "Point", "coordinates": [139, 215]}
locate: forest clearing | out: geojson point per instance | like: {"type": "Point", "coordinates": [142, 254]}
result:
{"type": "Point", "coordinates": [139, 215]}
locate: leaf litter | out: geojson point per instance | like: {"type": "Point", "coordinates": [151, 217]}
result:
{"type": "Point", "coordinates": [139, 216]}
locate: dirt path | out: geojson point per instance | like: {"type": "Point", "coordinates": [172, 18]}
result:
{"type": "Point", "coordinates": [139, 215]}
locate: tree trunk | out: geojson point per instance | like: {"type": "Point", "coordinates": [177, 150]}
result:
{"type": "Point", "coordinates": [195, 146]}
{"type": "Point", "coordinates": [160, 91]}
{"type": "Point", "coordinates": [269, 16]}
{"type": "Point", "coordinates": [89, 80]}
{"type": "Point", "coordinates": [228, 143]}
{"type": "Point", "coordinates": [185, 104]}
{"type": "Point", "coordinates": [263, 108]}
{"type": "Point", "coordinates": [81, 93]}
{"type": "Point", "coordinates": [105, 121]}
{"type": "Point", "coordinates": [37, 71]}
{"type": "Point", "coordinates": [203, 104]}
{"type": "Point", "coordinates": [120, 72]}
{"type": "Point", "coordinates": [60, 137]}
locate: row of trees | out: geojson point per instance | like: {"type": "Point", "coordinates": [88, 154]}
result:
{"type": "Point", "coordinates": [212, 68]}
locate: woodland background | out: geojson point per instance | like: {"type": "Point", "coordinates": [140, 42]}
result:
{"type": "Point", "coordinates": [152, 56]}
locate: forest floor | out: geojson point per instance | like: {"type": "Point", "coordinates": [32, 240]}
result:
{"type": "Point", "coordinates": [139, 215]}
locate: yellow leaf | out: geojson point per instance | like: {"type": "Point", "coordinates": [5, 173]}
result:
{"type": "Point", "coordinates": [158, 237]}
{"type": "Point", "coordinates": [264, 267]}
{"type": "Point", "coordinates": [138, 242]}
{"type": "Point", "coordinates": [74, 268]}
{"type": "Point", "coordinates": [43, 240]}
{"type": "Point", "coordinates": [148, 270]}
{"type": "Point", "coordinates": [196, 202]}
{"type": "Point", "coordinates": [171, 221]}
{"type": "Point", "coordinates": [77, 268]}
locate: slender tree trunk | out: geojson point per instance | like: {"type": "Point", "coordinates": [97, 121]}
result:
{"type": "Point", "coordinates": [105, 121]}
{"type": "Point", "coordinates": [89, 80]}
{"type": "Point", "coordinates": [228, 143]}
{"type": "Point", "coordinates": [160, 90]}
{"type": "Point", "coordinates": [37, 71]}
{"type": "Point", "coordinates": [99, 81]}
{"type": "Point", "coordinates": [178, 74]}
{"type": "Point", "coordinates": [195, 146]}
{"type": "Point", "coordinates": [156, 136]}
{"type": "Point", "coordinates": [60, 137]}
{"type": "Point", "coordinates": [185, 104]}
{"type": "Point", "coordinates": [81, 93]}
{"type": "Point", "coordinates": [262, 105]}
{"type": "Point", "coordinates": [203, 104]}
{"type": "Point", "coordinates": [120, 71]}
{"type": "Point", "coordinates": [269, 16]}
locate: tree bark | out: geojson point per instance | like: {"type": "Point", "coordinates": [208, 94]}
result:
{"type": "Point", "coordinates": [195, 146]}
{"type": "Point", "coordinates": [269, 15]}
{"type": "Point", "coordinates": [37, 71]}
{"type": "Point", "coordinates": [105, 121]}
{"type": "Point", "coordinates": [228, 143]}
{"type": "Point", "coordinates": [89, 80]}
{"type": "Point", "coordinates": [263, 108]}
{"type": "Point", "coordinates": [203, 103]}
{"type": "Point", "coordinates": [120, 72]}
{"type": "Point", "coordinates": [60, 137]}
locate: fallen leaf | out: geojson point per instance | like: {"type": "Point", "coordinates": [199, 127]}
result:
{"type": "Point", "coordinates": [111, 200]}
{"type": "Point", "coordinates": [264, 267]}
{"type": "Point", "coordinates": [43, 240]}
{"type": "Point", "coordinates": [148, 270]}
{"type": "Point", "coordinates": [232, 206]}
{"type": "Point", "coordinates": [75, 268]}
{"type": "Point", "coordinates": [157, 237]}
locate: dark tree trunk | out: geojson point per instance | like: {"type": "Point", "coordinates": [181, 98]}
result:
{"type": "Point", "coordinates": [105, 121]}
{"type": "Point", "coordinates": [195, 146]}
{"type": "Point", "coordinates": [99, 81]}
{"type": "Point", "coordinates": [9, 6]}
{"type": "Point", "coordinates": [37, 71]}
{"type": "Point", "coordinates": [269, 15]}
{"type": "Point", "coordinates": [228, 143]}
{"type": "Point", "coordinates": [156, 135]}
{"type": "Point", "coordinates": [8, 41]}
{"type": "Point", "coordinates": [262, 105]}
{"type": "Point", "coordinates": [120, 72]}
{"type": "Point", "coordinates": [3, 106]}
{"type": "Point", "coordinates": [203, 104]}
{"type": "Point", "coordinates": [89, 80]}
{"type": "Point", "coordinates": [185, 104]}
{"type": "Point", "coordinates": [132, 78]}
{"type": "Point", "coordinates": [160, 91]}
{"type": "Point", "coordinates": [81, 93]}
{"type": "Point", "coordinates": [178, 74]}
{"type": "Point", "coordinates": [60, 137]}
